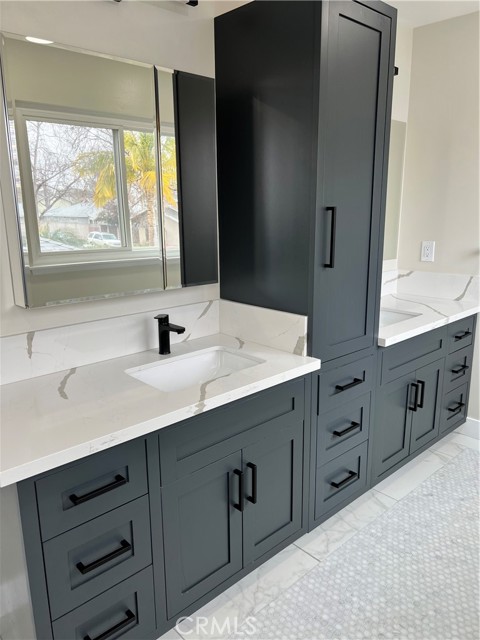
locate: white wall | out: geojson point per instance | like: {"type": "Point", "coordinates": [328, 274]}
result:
{"type": "Point", "coordinates": [136, 31]}
{"type": "Point", "coordinates": [441, 195]}
{"type": "Point", "coordinates": [401, 83]}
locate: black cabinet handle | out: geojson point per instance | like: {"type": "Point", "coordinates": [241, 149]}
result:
{"type": "Point", "coordinates": [460, 369]}
{"type": "Point", "coordinates": [240, 504]}
{"type": "Point", "coordinates": [413, 407]}
{"type": "Point", "coordinates": [353, 425]}
{"type": "Point", "coordinates": [457, 408]}
{"type": "Point", "coordinates": [125, 547]}
{"type": "Point", "coordinates": [344, 387]}
{"type": "Point", "coordinates": [253, 497]}
{"type": "Point", "coordinates": [333, 232]}
{"type": "Point", "coordinates": [131, 617]}
{"type": "Point", "coordinates": [461, 336]}
{"type": "Point", "coordinates": [351, 476]}
{"type": "Point", "coordinates": [118, 482]}
{"type": "Point", "coordinates": [422, 393]}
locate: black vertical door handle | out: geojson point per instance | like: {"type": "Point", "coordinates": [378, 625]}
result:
{"type": "Point", "coordinates": [253, 497]}
{"type": "Point", "coordinates": [414, 385]}
{"type": "Point", "coordinates": [333, 232]}
{"type": "Point", "coordinates": [422, 393]}
{"type": "Point", "coordinates": [240, 504]}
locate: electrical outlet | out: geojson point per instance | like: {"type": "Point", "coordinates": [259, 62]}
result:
{"type": "Point", "coordinates": [428, 251]}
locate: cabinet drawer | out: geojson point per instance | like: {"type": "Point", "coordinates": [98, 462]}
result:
{"type": "Point", "coordinates": [406, 356]}
{"type": "Point", "coordinates": [460, 334]}
{"type": "Point", "coordinates": [343, 384]}
{"type": "Point", "coordinates": [458, 368]}
{"type": "Point", "coordinates": [126, 611]}
{"type": "Point", "coordinates": [454, 408]}
{"type": "Point", "coordinates": [199, 441]}
{"type": "Point", "coordinates": [340, 479]}
{"type": "Point", "coordinates": [88, 489]}
{"type": "Point", "coordinates": [84, 562]}
{"type": "Point", "coordinates": [343, 428]}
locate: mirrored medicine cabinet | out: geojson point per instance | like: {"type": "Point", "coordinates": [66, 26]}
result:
{"type": "Point", "coordinates": [92, 175]}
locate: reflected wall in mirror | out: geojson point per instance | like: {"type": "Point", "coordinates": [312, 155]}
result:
{"type": "Point", "coordinates": [396, 161]}
{"type": "Point", "coordinates": [96, 217]}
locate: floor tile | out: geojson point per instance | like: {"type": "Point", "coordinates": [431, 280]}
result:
{"type": "Point", "coordinates": [228, 611]}
{"type": "Point", "coordinates": [170, 635]}
{"type": "Point", "coordinates": [342, 526]}
{"type": "Point", "coordinates": [406, 479]}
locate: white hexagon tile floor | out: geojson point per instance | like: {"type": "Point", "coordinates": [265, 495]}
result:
{"type": "Point", "coordinates": [412, 573]}
{"type": "Point", "coordinates": [400, 562]}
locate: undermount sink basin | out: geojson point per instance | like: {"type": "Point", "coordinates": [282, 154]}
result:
{"type": "Point", "coordinates": [194, 368]}
{"type": "Point", "coordinates": [388, 317]}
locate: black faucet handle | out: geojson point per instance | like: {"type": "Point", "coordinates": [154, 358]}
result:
{"type": "Point", "coordinates": [162, 318]}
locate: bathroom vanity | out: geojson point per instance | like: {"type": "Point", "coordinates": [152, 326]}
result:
{"type": "Point", "coordinates": [149, 484]}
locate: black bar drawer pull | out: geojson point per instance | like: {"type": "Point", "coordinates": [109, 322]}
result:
{"type": "Point", "coordinates": [350, 385]}
{"type": "Point", "coordinates": [461, 336]}
{"type": "Point", "coordinates": [253, 497]}
{"type": "Point", "coordinates": [131, 617]}
{"type": "Point", "coordinates": [414, 407]}
{"type": "Point", "coordinates": [457, 408]}
{"type": "Point", "coordinates": [333, 232]}
{"type": "Point", "coordinates": [351, 476]}
{"type": "Point", "coordinates": [118, 482]}
{"type": "Point", "coordinates": [125, 547]}
{"type": "Point", "coordinates": [240, 504]}
{"type": "Point", "coordinates": [353, 425]}
{"type": "Point", "coordinates": [460, 369]}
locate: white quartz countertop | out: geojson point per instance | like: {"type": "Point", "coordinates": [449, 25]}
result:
{"type": "Point", "coordinates": [431, 313]}
{"type": "Point", "coordinates": [54, 419]}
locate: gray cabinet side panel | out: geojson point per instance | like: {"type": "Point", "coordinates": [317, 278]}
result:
{"type": "Point", "coordinates": [34, 556]}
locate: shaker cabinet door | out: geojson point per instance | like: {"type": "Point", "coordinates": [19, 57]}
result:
{"type": "Point", "coordinates": [351, 169]}
{"type": "Point", "coordinates": [202, 531]}
{"type": "Point", "coordinates": [273, 491]}
{"type": "Point", "coordinates": [426, 420]}
{"type": "Point", "coordinates": [393, 424]}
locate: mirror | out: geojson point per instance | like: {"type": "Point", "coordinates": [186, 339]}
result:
{"type": "Point", "coordinates": [94, 173]}
{"type": "Point", "coordinates": [396, 161]}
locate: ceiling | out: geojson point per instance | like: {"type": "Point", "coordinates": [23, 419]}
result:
{"type": "Point", "coordinates": [411, 13]}
{"type": "Point", "coordinates": [416, 13]}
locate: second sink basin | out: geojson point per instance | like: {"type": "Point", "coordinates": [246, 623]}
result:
{"type": "Point", "coordinates": [388, 317]}
{"type": "Point", "coordinates": [180, 372]}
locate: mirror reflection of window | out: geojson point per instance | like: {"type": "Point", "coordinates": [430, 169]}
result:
{"type": "Point", "coordinates": [83, 134]}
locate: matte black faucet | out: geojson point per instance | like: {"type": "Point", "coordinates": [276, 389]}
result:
{"type": "Point", "coordinates": [164, 328]}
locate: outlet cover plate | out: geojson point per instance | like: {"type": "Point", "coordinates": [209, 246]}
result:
{"type": "Point", "coordinates": [428, 251]}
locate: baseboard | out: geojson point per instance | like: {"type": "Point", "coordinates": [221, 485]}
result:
{"type": "Point", "coordinates": [472, 428]}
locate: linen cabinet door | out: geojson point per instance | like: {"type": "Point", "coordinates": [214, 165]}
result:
{"type": "Point", "coordinates": [202, 531]}
{"type": "Point", "coordinates": [353, 132]}
{"type": "Point", "coordinates": [393, 423]}
{"type": "Point", "coordinates": [273, 473]}
{"type": "Point", "coordinates": [426, 419]}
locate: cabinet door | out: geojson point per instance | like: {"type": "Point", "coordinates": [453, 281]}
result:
{"type": "Point", "coordinates": [393, 423]}
{"type": "Point", "coordinates": [202, 531]}
{"type": "Point", "coordinates": [353, 128]}
{"type": "Point", "coordinates": [426, 419]}
{"type": "Point", "coordinates": [195, 138]}
{"type": "Point", "coordinates": [273, 491]}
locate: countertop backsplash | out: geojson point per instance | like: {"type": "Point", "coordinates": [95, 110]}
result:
{"type": "Point", "coordinates": [38, 353]}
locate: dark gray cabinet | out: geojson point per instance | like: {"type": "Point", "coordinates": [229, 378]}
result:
{"type": "Point", "coordinates": [407, 416]}
{"type": "Point", "coordinates": [303, 105]}
{"type": "Point", "coordinates": [235, 508]}
{"type": "Point", "coordinates": [354, 94]}
{"type": "Point", "coordinates": [202, 531]}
